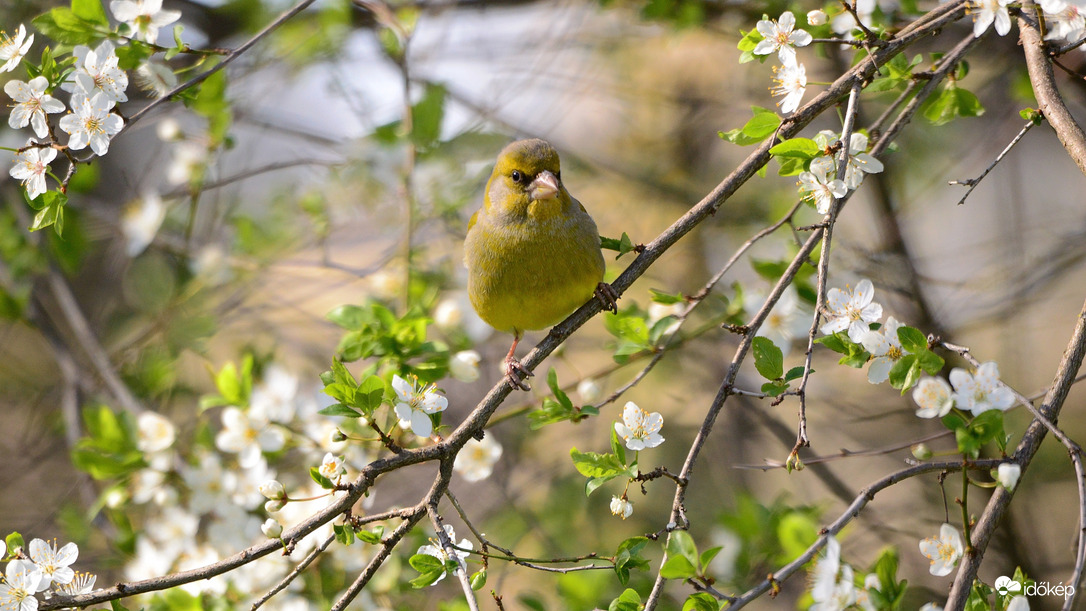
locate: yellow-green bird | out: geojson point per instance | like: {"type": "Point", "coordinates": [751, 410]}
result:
{"type": "Point", "coordinates": [532, 252]}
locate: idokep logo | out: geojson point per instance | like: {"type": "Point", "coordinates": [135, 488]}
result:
{"type": "Point", "coordinates": [1005, 585]}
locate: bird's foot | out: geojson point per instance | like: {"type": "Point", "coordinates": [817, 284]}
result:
{"type": "Point", "coordinates": [516, 372]}
{"type": "Point", "coordinates": [608, 297]}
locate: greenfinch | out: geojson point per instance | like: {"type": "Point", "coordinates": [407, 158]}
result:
{"type": "Point", "coordinates": [532, 251]}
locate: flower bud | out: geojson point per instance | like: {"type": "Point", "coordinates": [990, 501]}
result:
{"type": "Point", "coordinates": [589, 390]}
{"type": "Point", "coordinates": [273, 489]}
{"type": "Point", "coordinates": [1008, 474]}
{"type": "Point", "coordinates": [817, 17]}
{"type": "Point", "coordinates": [271, 528]}
{"type": "Point", "coordinates": [274, 505]}
{"type": "Point", "coordinates": [921, 451]}
{"type": "Point", "coordinates": [621, 507]}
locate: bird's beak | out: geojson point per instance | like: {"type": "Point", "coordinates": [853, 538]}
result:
{"type": "Point", "coordinates": [545, 186]}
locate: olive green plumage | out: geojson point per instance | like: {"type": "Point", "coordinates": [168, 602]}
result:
{"type": "Point", "coordinates": [532, 251]}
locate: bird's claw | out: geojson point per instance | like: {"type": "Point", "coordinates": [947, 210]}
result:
{"type": "Point", "coordinates": [607, 296]}
{"type": "Point", "coordinates": [517, 373]}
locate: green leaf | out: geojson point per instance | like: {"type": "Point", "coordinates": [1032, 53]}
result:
{"type": "Point", "coordinates": [350, 317]}
{"type": "Point", "coordinates": [762, 125]}
{"type": "Point", "coordinates": [951, 103]}
{"type": "Point", "coordinates": [794, 373]}
{"type": "Point", "coordinates": [775, 389]}
{"type": "Point", "coordinates": [707, 556]}
{"type": "Point", "coordinates": [623, 245]}
{"type": "Point", "coordinates": [323, 481]}
{"type": "Point", "coordinates": [797, 148]}
{"type": "Point", "coordinates": [930, 362]}
{"type": "Point", "coordinates": [701, 601]}
{"type": "Point", "coordinates": [666, 298]}
{"type": "Point", "coordinates": [768, 358]}
{"type": "Point", "coordinates": [478, 580]}
{"type": "Point", "coordinates": [680, 543]}
{"type": "Point", "coordinates": [372, 537]}
{"type": "Point", "coordinates": [855, 355]}
{"type": "Point", "coordinates": [912, 340]}
{"type": "Point", "coordinates": [50, 206]}
{"type": "Point", "coordinates": [677, 567]}
{"type": "Point", "coordinates": [426, 117]}
{"type": "Point", "coordinates": [371, 394]}
{"type": "Point", "coordinates": [13, 542]}
{"type": "Point", "coordinates": [617, 446]}
{"type": "Point", "coordinates": [629, 600]}
{"type": "Point", "coordinates": [592, 464]}
{"type": "Point", "coordinates": [91, 11]}
{"type": "Point", "coordinates": [65, 27]}
{"type": "Point", "coordinates": [953, 421]}
{"type": "Point", "coordinates": [339, 409]}
{"type": "Point", "coordinates": [344, 534]}
{"type": "Point", "coordinates": [746, 45]}
{"type": "Point", "coordinates": [628, 557]}
{"type": "Point", "coordinates": [796, 532]}
{"type": "Point", "coordinates": [133, 54]}
{"type": "Point", "coordinates": [430, 568]}
{"type": "Point", "coordinates": [905, 373]}
{"type": "Point", "coordinates": [1032, 115]}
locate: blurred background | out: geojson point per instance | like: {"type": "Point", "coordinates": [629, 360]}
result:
{"type": "Point", "coordinates": [203, 237]}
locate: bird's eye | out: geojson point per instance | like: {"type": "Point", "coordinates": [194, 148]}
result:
{"type": "Point", "coordinates": [517, 176]}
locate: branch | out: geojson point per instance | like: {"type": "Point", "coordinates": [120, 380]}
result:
{"type": "Point", "coordinates": [1051, 103]}
{"type": "Point", "coordinates": [862, 499]}
{"type": "Point", "coordinates": [1024, 453]}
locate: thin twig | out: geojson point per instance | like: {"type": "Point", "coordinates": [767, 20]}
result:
{"type": "Point", "coordinates": [286, 581]}
{"type": "Point", "coordinates": [973, 182]}
{"type": "Point", "coordinates": [227, 60]}
{"type": "Point", "coordinates": [862, 499]}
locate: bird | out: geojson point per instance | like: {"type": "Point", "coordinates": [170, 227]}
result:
{"type": "Point", "coordinates": [532, 251]}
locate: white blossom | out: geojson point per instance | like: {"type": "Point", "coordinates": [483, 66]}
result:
{"type": "Point", "coordinates": [21, 581]}
{"type": "Point", "coordinates": [155, 432]}
{"type": "Point", "coordinates": [477, 458]}
{"type": "Point", "coordinates": [30, 168]}
{"type": "Point", "coordinates": [97, 72]}
{"type": "Point", "coordinates": [141, 222]}
{"type": "Point", "coordinates": [820, 185]}
{"type": "Point", "coordinates": [248, 435]}
{"type": "Point", "coordinates": [332, 466]}
{"type": "Point", "coordinates": [934, 398]}
{"type": "Point", "coordinates": [885, 348]}
{"type": "Point", "coordinates": [155, 78]}
{"type": "Point", "coordinates": [782, 37]}
{"type": "Point", "coordinates": [981, 391]}
{"type": "Point", "coordinates": [464, 365]}
{"type": "Point", "coordinates": [12, 50]}
{"type": "Point", "coordinates": [144, 17]}
{"type": "Point", "coordinates": [985, 12]}
{"type": "Point", "coordinates": [32, 104]}
{"type": "Point", "coordinates": [943, 551]}
{"type": "Point", "coordinates": [54, 564]}
{"type": "Point", "coordinates": [416, 404]}
{"type": "Point", "coordinates": [639, 429]}
{"type": "Point", "coordinates": [851, 309]}
{"type": "Point", "coordinates": [790, 81]}
{"type": "Point", "coordinates": [91, 123]}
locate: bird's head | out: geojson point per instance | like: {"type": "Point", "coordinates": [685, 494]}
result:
{"type": "Point", "coordinates": [526, 180]}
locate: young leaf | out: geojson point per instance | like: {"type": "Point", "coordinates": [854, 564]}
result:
{"type": "Point", "coordinates": [768, 358]}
